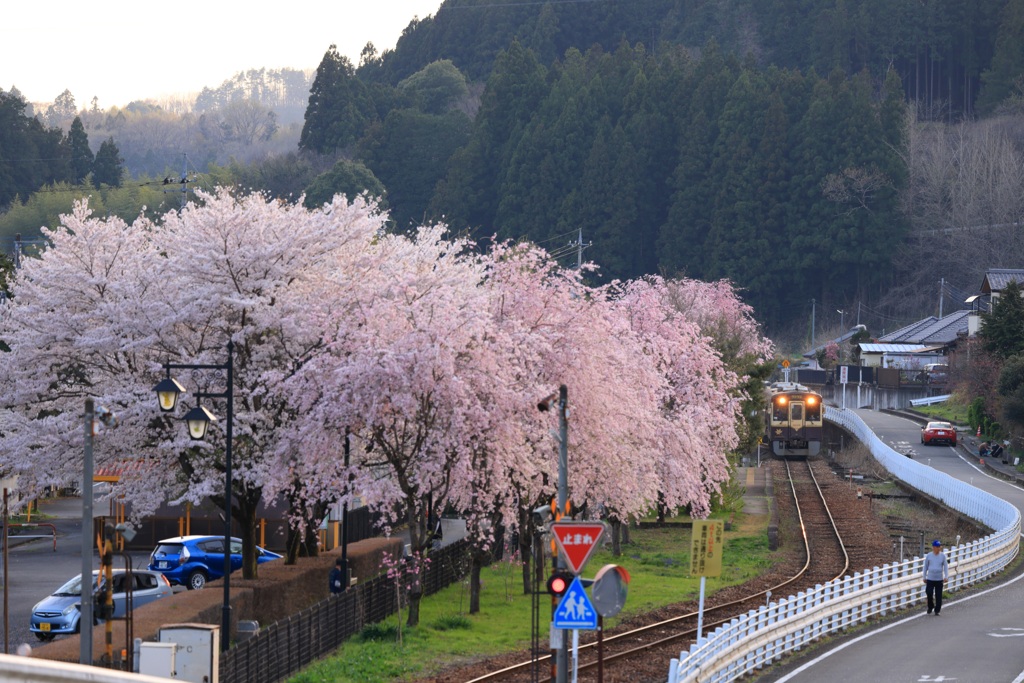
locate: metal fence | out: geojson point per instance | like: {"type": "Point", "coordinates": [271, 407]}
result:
{"type": "Point", "coordinates": [285, 647]}
{"type": "Point", "coordinates": [763, 635]}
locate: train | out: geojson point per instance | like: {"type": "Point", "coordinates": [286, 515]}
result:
{"type": "Point", "coordinates": [793, 420]}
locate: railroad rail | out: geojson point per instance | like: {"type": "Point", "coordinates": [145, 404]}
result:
{"type": "Point", "coordinates": [825, 559]}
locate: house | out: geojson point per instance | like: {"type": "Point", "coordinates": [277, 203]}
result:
{"type": "Point", "coordinates": [902, 356]}
{"type": "Point", "coordinates": [916, 345]}
{"type": "Point", "coordinates": [931, 331]}
{"type": "Point", "coordinates": [992, 286]}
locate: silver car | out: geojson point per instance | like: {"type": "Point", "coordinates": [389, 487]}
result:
{"type": "Point", "coordinates": [61, 612]}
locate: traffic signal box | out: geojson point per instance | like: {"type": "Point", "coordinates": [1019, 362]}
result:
{"type": "Point", "coordinates": [558, 583]}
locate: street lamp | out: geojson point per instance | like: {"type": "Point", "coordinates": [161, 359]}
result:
{"type": "Point", "coordinates": [198, 419]}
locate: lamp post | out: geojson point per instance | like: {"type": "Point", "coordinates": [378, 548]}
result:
{"type": "Point", "coordinates": [198, 419]}
{"type": "Point", "coordinates": [344, 519]}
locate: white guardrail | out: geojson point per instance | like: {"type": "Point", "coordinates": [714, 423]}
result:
{"type": "Point", "coordinates": [762, 636]}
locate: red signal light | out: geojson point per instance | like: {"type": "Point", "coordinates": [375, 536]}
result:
{"type": "Point", "coordinates": [559, 582]}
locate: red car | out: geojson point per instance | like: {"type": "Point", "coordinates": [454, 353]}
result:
{"type": "Point", "coordinates": [938, 432]}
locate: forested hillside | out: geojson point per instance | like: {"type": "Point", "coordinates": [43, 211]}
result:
{"type": "Point", "coordinates": [852, 155]}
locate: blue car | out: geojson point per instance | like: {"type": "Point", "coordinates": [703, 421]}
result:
{"type": "Point", "coordinates": [191, 561]}
{"type": "Point", "coordinates": [60, 613]}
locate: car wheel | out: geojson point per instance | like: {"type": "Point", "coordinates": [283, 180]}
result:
{"type": "Point", "coordinates": [196, 580]}
{"type": "Point", "coordinates": [45, 637]}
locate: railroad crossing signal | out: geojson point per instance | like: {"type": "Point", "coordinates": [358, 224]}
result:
{"type": "Point", "coordinates": [577, 541]}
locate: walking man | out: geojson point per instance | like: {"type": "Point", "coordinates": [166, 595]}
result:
{"type": "Point", "coordinates": [936, 571]}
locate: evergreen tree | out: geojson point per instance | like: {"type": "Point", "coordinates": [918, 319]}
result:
{"type": "Point", "coordinates": [1011, 388]}
{"type": "Point", "coordinates": [437, 87]}
{"type": "Point", "coordinates": [408, 153]}
{"type": "Point", "coordinates": [1002, 330]}
{"type": "Point", "coordinates": [108, 167]}
{"type": "Point", "coordinates": [351, 178]}
{"type": "Point", "coordinates": [1002, 79]}
{"type": "Point", "coordinates": [470, 192]}
{"type": "Point", "coordinates": [80, 155]}
{"type": "Point", "coordinates": [340, 108]}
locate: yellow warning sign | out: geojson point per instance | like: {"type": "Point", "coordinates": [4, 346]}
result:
{"type": "Point", "coordinates": [706, 548]}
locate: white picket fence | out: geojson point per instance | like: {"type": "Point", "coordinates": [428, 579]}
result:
{"type": "Point", "coordinates": [762, 636]}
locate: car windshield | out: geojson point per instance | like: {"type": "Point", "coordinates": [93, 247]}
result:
{"type": "Point", "coordinates": [74, 586]}
{"type": "Point", "coordinates": [939, 425]}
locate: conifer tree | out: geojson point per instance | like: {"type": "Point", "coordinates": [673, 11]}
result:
{"type": "Point", "coordinates": [108, 167]}
{"type": "Point", "coordinates": [81, 157]}
{"type": "Point", "coordinates": [339, 108]}
{"type": "Point", "coordinates": [1002, 331]}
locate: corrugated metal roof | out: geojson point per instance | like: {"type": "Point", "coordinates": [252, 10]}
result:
{"type": "Point", "coordinates": [893, 348]}
{"type": "Point", "coordinates": [996, 279]}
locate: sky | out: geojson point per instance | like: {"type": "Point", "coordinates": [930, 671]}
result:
{"type": "Point", "coordinates": [124, 50]}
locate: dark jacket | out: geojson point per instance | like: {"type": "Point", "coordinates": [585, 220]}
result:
{"type": "Point", "coordinates": [335, 580]}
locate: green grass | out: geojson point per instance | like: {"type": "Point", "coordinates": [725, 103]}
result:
{"type": "Point", "coordinates": [950, 411]}
{"type": "Point", "coordinates": [658, 561]}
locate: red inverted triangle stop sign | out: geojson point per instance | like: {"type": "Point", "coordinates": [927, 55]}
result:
{"type": "Point", "coordinates": [577, 541]}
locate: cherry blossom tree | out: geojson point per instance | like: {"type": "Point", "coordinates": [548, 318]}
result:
{"type": "Point", "coordinates": [431, 355]}
{"type": "Point", "coordinates": [108, 303]}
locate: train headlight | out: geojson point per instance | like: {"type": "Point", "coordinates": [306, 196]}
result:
{"type": "Point", "coordinates": [812, 400]}
{"type": "Point", "coordinates": [781, 400]}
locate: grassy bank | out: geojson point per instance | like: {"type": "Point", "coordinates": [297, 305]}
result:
{"type": "Point", "coordinates": [658, 561]}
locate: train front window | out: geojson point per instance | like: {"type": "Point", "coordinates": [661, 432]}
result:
{"type": "Point", "coordinates": [780, 409]}
{"type": "Point", "coordinates": [796, 412]}
{"type": "Point", "coordinates": [813, 410]}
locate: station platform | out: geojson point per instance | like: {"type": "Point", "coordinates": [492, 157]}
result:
{"type": "Point", "coordinates": [756, 494]}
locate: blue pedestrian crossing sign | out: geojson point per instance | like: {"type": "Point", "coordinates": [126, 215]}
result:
{"type": "Point", "coordinates": [575, 610]}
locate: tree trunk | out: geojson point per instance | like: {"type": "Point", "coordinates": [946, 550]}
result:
{"type": "Point", "coordinates": [244, 510]}
{"type": "Point", "coordinates": [624, 528]}
{"type": "Point", "coordinates": [526, 533]}
{"type": "Point", "coordinates": [616, 530]}
{"type": "Point", "coordinates": [415, 595]}
{"type": "Point", "coordinates": [474, 584]}
{"type": "Point", "coordinates": [417, 521]}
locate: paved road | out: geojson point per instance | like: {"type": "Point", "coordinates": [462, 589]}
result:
{"type": "Point", "coordinates": [35, 570]}
{"type": "Point", "coordinates": [978, 639]}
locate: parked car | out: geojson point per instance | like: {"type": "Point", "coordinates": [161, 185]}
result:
{"type": "Point", "coordinates": [938, 432]}
{"type": "Point", "coordinates": [191, 561]}
{"type": "Point", "coordinates": [60, 613]}
{"type": "Point", "coordinates": [936, 373]}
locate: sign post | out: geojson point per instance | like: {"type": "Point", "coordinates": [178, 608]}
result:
{"type": "Point", "coordinates": [706, 548]}
{"type": "Point", "coordinates": [576, 541]}
{"type": "Point", "coordinates": [844, 377]}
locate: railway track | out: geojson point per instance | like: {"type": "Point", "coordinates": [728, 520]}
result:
{"type": "Point", "coordinates": [629, 656]}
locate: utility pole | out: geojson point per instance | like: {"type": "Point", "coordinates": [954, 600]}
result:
{"type": "Point", "coordinates": [563, 498]}
{"type": "Point", "coordinates": [812, 322]}
{"type": "Point", "coordinates": [85, 641]}
{"type": "Point", "coordinates": [184, 181]}
{"type": "Point", "coordinates": [345, 576]}
{"type": "Point", "coordinates": [942, 287]}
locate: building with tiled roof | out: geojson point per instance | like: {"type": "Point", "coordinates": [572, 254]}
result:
{"type": "Point", "coordinates": [992, 285]}
{"type": "Point", "coordinates": [931, 331]}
